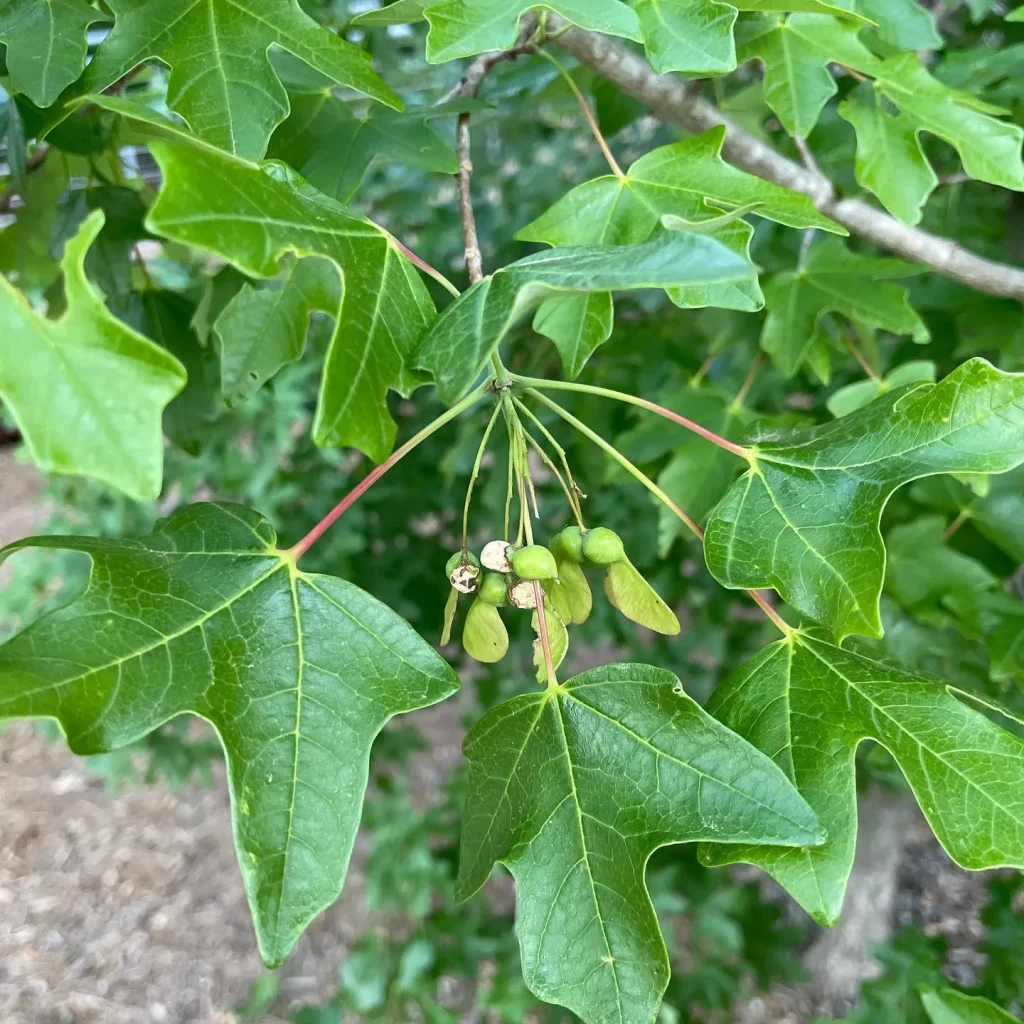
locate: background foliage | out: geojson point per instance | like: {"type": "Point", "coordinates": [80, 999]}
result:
{"type": "Point", "coordinates": [843, 324]}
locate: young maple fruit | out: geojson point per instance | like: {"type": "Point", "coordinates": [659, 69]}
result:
{"type": "Point", "coordinates": [626, 589]}
{"type": "Point", "coordinates": [569, 594]}
{"type": "Point", "coordinates": [493, 589]}
{"type": "Point", "coordinates": [603, 547]}
{"type": "Point", "coordinates": [534, 562]}
{"type": "Point", "coordinates": [484, 635]}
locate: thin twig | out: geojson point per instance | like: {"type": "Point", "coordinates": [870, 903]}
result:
{"type": "Point", "coordinates": [807, 156]}
{"type": "Point", "coordinates": [469, 84]}
{"type": "Point", "coordinates": [474, 260]}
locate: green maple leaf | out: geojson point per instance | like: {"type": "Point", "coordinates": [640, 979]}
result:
{"type": "Point", "coordinates": [697, 35]}
{"type": "Point", "coordinates": [461, 340]}
{"type": "Point", "coordinates": [890, 161]}
{"type": "Point", "coordinates": [401, 12]}
{"type": "Point", "coordinates": [688, 35]}
{"type": "Point", "coordinates": [810, 704]}
{"type": "Point", "coordinates": [947, 1006]}
{"type": "Point", "coordinates": [855, 396]}
{"type": "Point", "coordinates": [990, 149]}
{"type": "Point", "coordinates": [804, 518]}
{"type": "Point", "coordinates": [573, 788]}
{"type": "Point", "coordinates": [333, 149]}
{"type": "Point", "coordinates": [796, 52]}
{"type": "Point", "coordinates": [688, 180]}
{"type": "Point", "coordinates": [297, 673]}
{"type": "Point", "coordinates": [46, 44]}
{"type": "Point", "coordinates": [905, 24]}
{"type": "Point", "coordinates": [222, 82]}
{"type": "Point", "coordinates": [462, 28]}
{"type": "Point", "coordinates": [252, 216]}
{"type": "Point", "coordinates": [108, 382]}
{"type": "Point", "coordinates": [261, 330]}
{"type": "Point", "coordinates": [921, 569]}
{"type": "Point", "coordinates": [834, 279]}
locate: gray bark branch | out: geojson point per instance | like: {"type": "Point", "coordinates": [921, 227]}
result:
{"type": "Point", "coordinates": [670, 99]}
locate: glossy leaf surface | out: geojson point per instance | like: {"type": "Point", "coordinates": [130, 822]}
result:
{"type": "Point", "coordinates": [297, 673]}
{"type": "Point", "coordinates": [948, 1006]}
{"type": "Point", "coordinates": [573, 788]}
{"type": "Point", "coordinates": [462, 28]}
{"type": "Point", "coordinates": [222, 82]}
{"type": "Point", "coordinates": [809, 704]}
{"type": "Point", "coordinates": [461, 340]}
{"type": "Point", "coordinates": [688, 180]}
{"type": "Point", "coordinates": [109, 383]}
{"type": "Point", "coordinates": [804, 518]}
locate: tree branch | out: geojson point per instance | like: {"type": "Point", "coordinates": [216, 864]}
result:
{"type": "Point", "coordinates": [673, 100]}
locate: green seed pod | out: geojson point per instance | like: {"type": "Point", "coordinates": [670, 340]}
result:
{"type": "Point", "coordinates": [632, 595]}
{"type": "Point", "coordinates": [569, 544]}
{"type": "Point", "coordinates": [570, 595]}
{"type": "Point", "coordinates": [602, 546]}
{"type": "Point", "coordinates": [493, 589]}
{"type": "Point", "coordinates": [484, 635]}
{"type": "Point", "coordinates": [534, 562]}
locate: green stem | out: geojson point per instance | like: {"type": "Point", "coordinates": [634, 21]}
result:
{"type": "Point", "coordinates": [639, 475]}
{"type": "Point", "coordinates": [476, 472]}
{"type": "Point", "coordinates": [546, 459]}
{"type": "Point", "coordinates": [621, 396]}
{"type": "Point", "coordinates": [553, 441]}
{"type": "Point", "coordinates": [612, 452]}
{"type": "Point", "coordinates": [299, 549]}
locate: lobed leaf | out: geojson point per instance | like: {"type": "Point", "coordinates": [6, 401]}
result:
{"type": "Point", "coordinates": [461, 340]}
{"type": "Point", "coordinates": [463, 28]}
{"type": "Point", "coordinates": [222, 82]}
{"type": "Point", "coordinates": [831, 278]}
{"type": "Point", "coordinates": [86, 391]}
{"type": "Point", "coordinates": [332, 148]}
{"type": "Point", "coordinates": [261, 330]}
{"type": "Point", "coordinates": [573, 789]}
{"type": "Point", "coordinates": [804, 518]}
{"type": "Point", "coordinates": [253, 216]}
{"type": "Point", "coordinates": [297, 673]}
{"type": "Point", "coordinates": [46, 44]}
{"type": "Point", "coordinates": [688, 180]}
{"type": "Point", "coordinates": [809, 704]}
